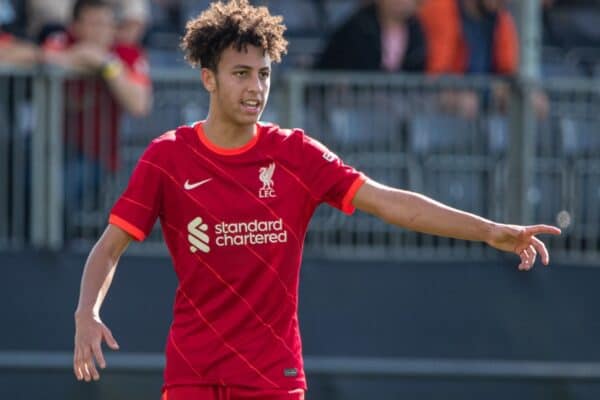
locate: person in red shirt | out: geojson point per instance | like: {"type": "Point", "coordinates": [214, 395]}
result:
{"type": "Point", "coordinates": [234, 197]}
{"type": "Point", "coordinates": [116, 80]}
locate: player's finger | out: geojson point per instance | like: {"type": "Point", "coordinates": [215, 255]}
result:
{"type": "Point", "coordinates": [83, 366]}
{"type": "Point", "coordinates": [528, 258]}
{"type": "Point", "coordinates": [91, 363]}
{"type": "Point", "coordinates": [533, 253]}
{"type": "Point", "coordinates": [542, 229]}
{"type": "Point", "coordinates": [541, 248]}
{"type": "Point", "coordinates": [80, 373]}
{"type": "Point", "coordinates": [77, 364]}
{"type": "Point", "coordinates": [91, 367]}
{"type": "Point", "coordinates": [97, 350]}
{"type": "Point", "coordinates": [80, 362]}
{"type": "Point", "coordinates": [110, 340]}
{"type": "Point", "coordinates": [523, 256]}
{"type": "Point", "coordinates": [87, 364]}
{"type": "Point", "coordinates": [87, 376]}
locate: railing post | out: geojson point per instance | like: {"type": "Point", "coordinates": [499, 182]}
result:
{"type": "Point", "coordinates": [522, 150]}
{"type": "Point", "coordinates": [56, 113]}
{"type": "Point", "coordinates": [294, 112]}
{"type": "Point", "coordinates": [39, 162]}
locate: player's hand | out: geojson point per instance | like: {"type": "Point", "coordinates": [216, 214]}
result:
{"type": "Point", "coordinates": [522, 240]}
{"type": "Point", "coordinates": [89, 333]}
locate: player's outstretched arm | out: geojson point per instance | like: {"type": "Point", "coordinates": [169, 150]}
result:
{"type": "Point", "coordinates": [420, 213]}
{"type": "Point", "coordinates": [95, 282]}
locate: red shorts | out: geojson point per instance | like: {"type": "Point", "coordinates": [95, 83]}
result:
{"type": "Point", "coordinates": [229, 393]}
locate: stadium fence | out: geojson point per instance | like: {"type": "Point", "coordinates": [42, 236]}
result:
{"type": "Point", "coordinates": [403, 130]}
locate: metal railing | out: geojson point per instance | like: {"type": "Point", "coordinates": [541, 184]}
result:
{"type": "Point", "coordinates": [404, 131]}
{"type": "Point", "coordinates": [18, 122]}
{"type": "Point", "coordinates": [340, 366]}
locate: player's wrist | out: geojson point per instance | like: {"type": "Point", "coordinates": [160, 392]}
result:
{"type": "Point", "coordinates": [86, 313]}
{"type": "Point", "coordinates": [491, 231]}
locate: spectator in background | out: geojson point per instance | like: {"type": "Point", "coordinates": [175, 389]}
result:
{"type": "Point", "coordinates": [470, 37]}
{"type": "Point", "coordinates": [45, 17]}
{"type": "Point", "coordinates": [94, 108]}
{"type": "Point", "coordinates": [17, 52]}
{"type": "Point", "coordinates": [473, 37]}
{"type": "Point", "coordinates": [132, 18]}
{"type": "Point", "coordinates": [384, 35]}
{"type": "Point", "coordinates": [13, 50]}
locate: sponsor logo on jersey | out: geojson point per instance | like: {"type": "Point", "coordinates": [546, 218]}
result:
{"type": "Point", "coordinates": [187, 185]}
{"type": "Point", "coordinates": [265, 174]}
{"type": "Point", "coordinates": [197, 236]}
{"type": "Point", "coordinates": [227, 234]}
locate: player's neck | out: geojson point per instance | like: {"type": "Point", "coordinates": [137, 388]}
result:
{"type": "Point", "coordinates": [227, 135]}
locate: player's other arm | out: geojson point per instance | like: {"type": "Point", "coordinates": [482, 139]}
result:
{"type": "Point", "coordinates": [420, 213]}
{"type": "Point", "coordinates": [95, 282]}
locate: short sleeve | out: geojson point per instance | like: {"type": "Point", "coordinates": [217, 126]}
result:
{"type": "Point", "coordinates": [329, 179]}
{"type": "Point", "coordinates": [136, 63]}
{"type": "Point", "coordinates": [139, 206]}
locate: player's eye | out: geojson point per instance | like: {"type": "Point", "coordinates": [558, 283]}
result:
{"type": "Point", "coordinates": [241, 74]}
{"type": "Point", "coordinates": [265, 74]}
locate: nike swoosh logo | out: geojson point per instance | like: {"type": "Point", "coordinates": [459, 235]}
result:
{"type": "Point", "coordinates": [189, 186]}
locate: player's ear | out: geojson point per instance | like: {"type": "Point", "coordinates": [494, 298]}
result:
{"type": "Point", "coordinates": [209, 79]}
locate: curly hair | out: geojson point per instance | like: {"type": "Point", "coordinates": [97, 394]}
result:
{"type": "Point", "coordinates": [236, 23]}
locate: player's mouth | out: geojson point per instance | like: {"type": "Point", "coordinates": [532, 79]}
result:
{"type": "Point", "coordinates": [251, 106]}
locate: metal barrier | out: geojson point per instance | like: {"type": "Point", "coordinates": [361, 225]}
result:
{"type": "Point", "coordinates": [340, 366]}
{"type": "Point", "coordinates": [17, 123]}
{"type": "Point", "coordinates": [404, 131]}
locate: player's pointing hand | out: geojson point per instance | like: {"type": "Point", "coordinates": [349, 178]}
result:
{"type": "Point", "coordinates": [522, 240]}
{"type": "Point", "coordinates": [89, 333]}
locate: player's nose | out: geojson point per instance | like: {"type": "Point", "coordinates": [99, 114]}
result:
{"type": "Point", "coordinates": [256, 85]}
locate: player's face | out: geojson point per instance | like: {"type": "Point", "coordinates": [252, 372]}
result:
{"type": "Point", "coordinates": [240, 87]}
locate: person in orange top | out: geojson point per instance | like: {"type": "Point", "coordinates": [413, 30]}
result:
{"type": "Point", "coordinates": [473, 37]}
{"type": "Point", "coordinates": [451, 48]}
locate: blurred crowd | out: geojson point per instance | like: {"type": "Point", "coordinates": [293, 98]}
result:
{"type": "Point", "coordinates": [118, 39]}
{"type": "Point", "coordinates": [459, 37]}
{"type": "Point", "coordinates": [429, 36]}
{"type": "Point", "coordinates": [115, 42]}
{"type": "Point", "coordinates": [101, 41]}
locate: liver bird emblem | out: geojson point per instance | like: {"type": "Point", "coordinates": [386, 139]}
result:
{"type": "Point", "coordinates": [266, 176]}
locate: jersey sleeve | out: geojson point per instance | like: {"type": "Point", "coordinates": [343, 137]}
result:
{"type": "Point", "coordinates": [329, 179]}
{"type": "Point", "coordinates": [140, 204]}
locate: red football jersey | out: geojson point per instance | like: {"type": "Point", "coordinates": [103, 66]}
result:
{"type": "Point", "coordinates": [234, 222]}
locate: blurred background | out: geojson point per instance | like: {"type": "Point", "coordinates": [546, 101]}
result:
{"type": "Point", "coordinates": [491, 106]}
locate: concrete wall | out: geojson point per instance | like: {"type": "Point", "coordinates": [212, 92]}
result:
{"type": "Point", "coordinates": [451, 310]}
